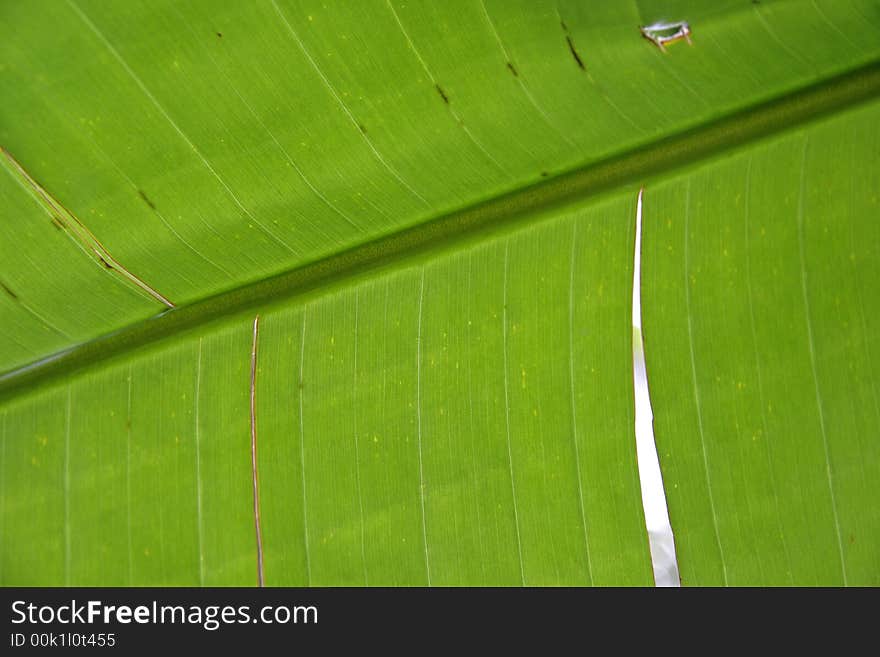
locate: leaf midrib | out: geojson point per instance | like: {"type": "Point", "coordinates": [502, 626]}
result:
{"type": "Point", "coordinates": [469, 224]}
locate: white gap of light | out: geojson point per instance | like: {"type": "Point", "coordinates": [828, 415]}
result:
{"type": "Point", "coordinates": [653, 496]}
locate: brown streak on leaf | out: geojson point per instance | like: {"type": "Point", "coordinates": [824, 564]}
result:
{"type": "Point", "coordinates": [574, 53]}
{"type": "Point", "coordinates": [77, 230]}
{"type": "Point", "coordinates": [8, 291]}
{"type": "Point", "coordinates": [254, 474]}
{"type": "Point", "coordinates": [146, 199]}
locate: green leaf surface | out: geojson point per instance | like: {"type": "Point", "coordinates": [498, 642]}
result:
{"type": "Point", "coordinates": [413, 429]}
{"type": "Point", "coordinates": [431, 209]}
{"type": "Point", "coordinates": [761, 329]}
